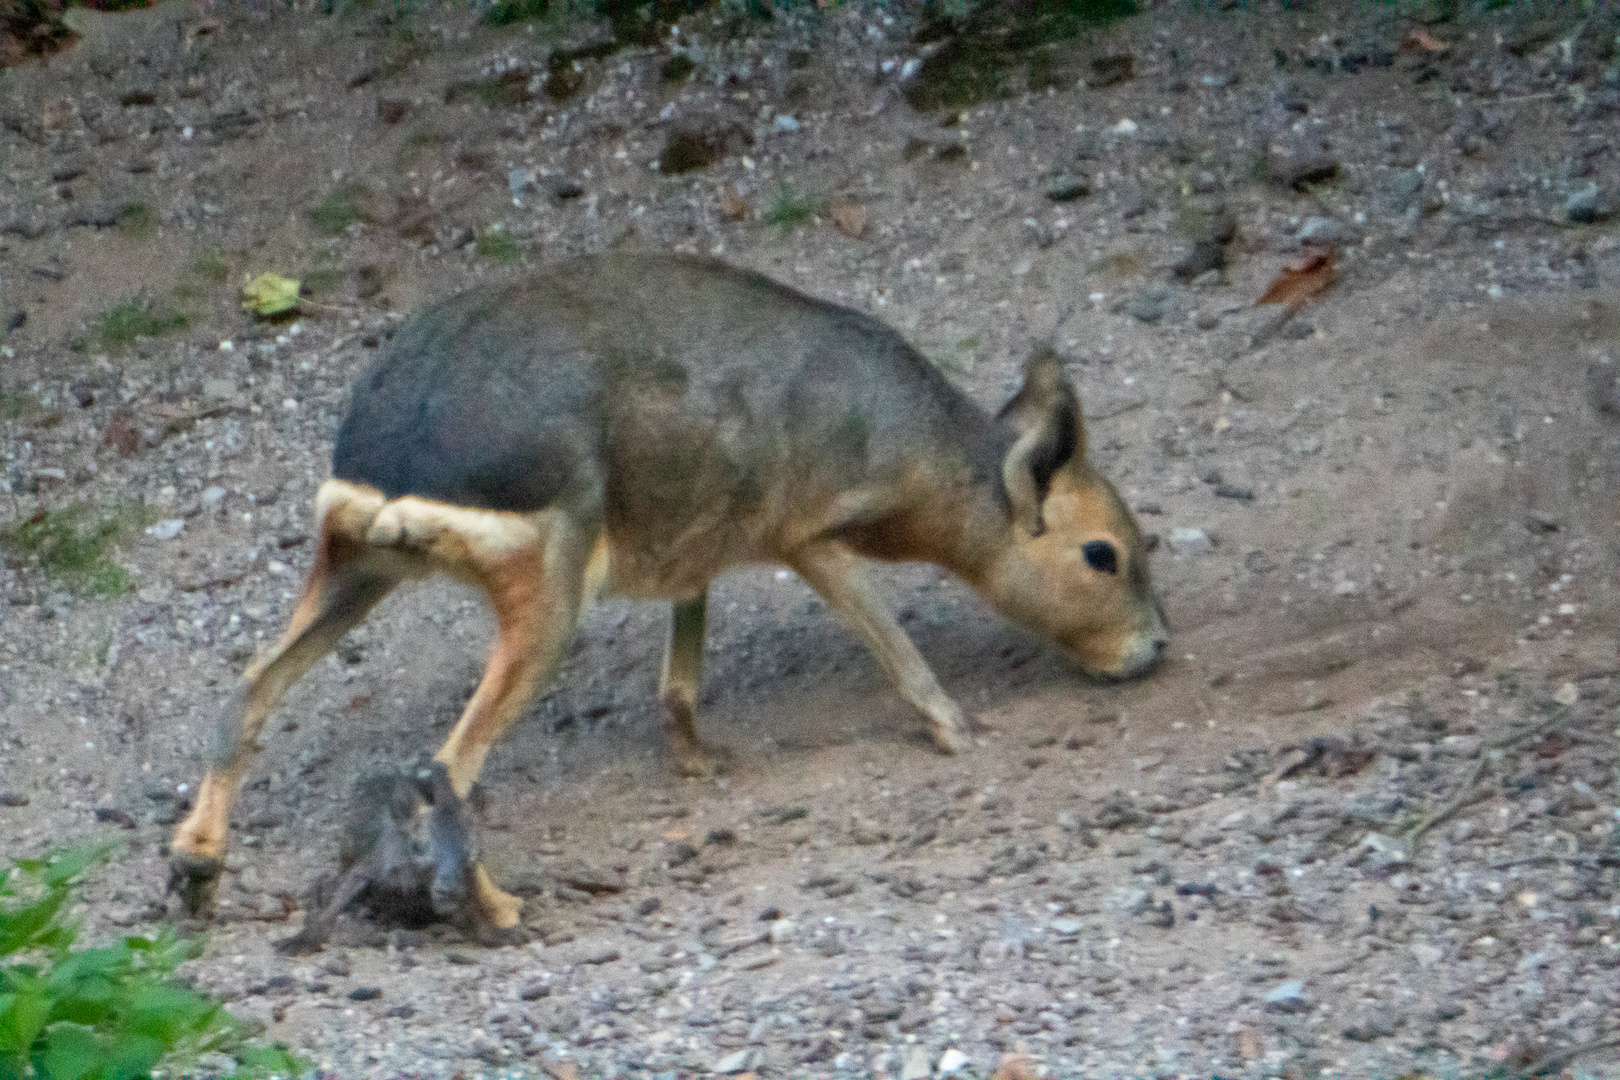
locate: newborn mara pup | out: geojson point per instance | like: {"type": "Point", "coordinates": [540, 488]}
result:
{"type": "Point", "coordinates": [639, 423]}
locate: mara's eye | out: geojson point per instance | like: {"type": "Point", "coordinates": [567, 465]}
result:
{"type": "Point", "coordinates": [1100, 556]}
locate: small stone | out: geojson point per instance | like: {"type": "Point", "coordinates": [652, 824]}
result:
{"type": "Point", "coordinates": [1199, 259]}
{"type": "Point", "coordinates": [1300, 169]}
{"type": "Point", "coordinates": [564, 188]}
{"type": "Point", "coordinates": [1322, 230]}
{"type": "Point", "coordinates": [916, 1065]}
{"type": "Point", "coordinates": [1067, 186]}
{"type": "Point", "coordinates": [1147, 306]}
{"type": "Point", "coordinates": [1190, 543]}
{"type": "Point", "coordinates": [1567, 694]}
{"type": "Point", "coordinates": [534, 991]}
{"type": "Point", "coordinates": [12, 798]}
{"type": "Point", "coordinates": [167, 529]}
{"type": "Point", "coordinates": [212, 496]}
{"type": "Point", "coordinates": [1381, 854]}
{"type": "Point", "coordinates": [218, 391]}
{"type": "Point", "coordinates": [1288, 997]}
{"type": "Point", "coordinates": [733, 1063]}
{"type": "Point", "coordinates": [1402, 189]}
{"type": "Point", "coordinates": [114, 816]}
{"type": "Point", "coordinates": [951, 1061]}
{"type": "Point", "coordinates": [365, 993]}
{"type": "Point", "coordinates": [1378, 1025]}
{"type": "Point", "coordinates": [1207, 320]}
{"type": "Point", "coordinates": [1587, 204]}
{"type": "Point", "coordinates": [785, 122]}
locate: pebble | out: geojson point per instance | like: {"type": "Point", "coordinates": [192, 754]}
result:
{"type": "Point", "coordinates": [1322, 230]}
{"type": "Point", "coordinates": [1067, 186]}
{"type": "Point", "coordinates": [1190, 542]}
{"type": "Point", "coordinates": [1300, 168]}
{"type": "Point", "coordinates": [167, 529]}
{"type": "Point", "coordinates": [1288, 998]}
{"type": "Point", "coordinates": [1147, 306]}
{"type": "Point", "coordinates": [1377, 1025]}
{"type": "Point", "coordinates": [1587, 204]}
{"type": "Point", "coordinates": [951, 1061]}
{"type": "Point", "coordinates": [733, 1063]}
{"type": "Point", "coordinates": [916, 1065]}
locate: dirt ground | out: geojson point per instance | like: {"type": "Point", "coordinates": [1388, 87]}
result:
{"type": "Point", "coordinates": [1362, 823]}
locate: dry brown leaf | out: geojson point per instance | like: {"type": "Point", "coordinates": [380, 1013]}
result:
{"type": "Point", "coordinates": [733, 207]}
{"type": "Point", "coordinates": [122, 435]}
{"type": "Point", "coordinates": [1421, 41]}
{"type": "Point", "coordinates": [678, 835]}
{"type": "Point", "coordinates": [1301, 280]}
{"type": "Point", "coordinates": [849, 218]}
{"type": "Point", "coordinates": [1016, 1067]}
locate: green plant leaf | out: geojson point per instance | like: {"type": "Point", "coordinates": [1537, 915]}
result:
{"type": "Point", "coordinates": [270, 294]}
{"type": "Point", "coordinates": [72, 1051]}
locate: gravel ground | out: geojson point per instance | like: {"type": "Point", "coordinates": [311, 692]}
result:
{"type": "Point", "coordinates": [1363, 823]}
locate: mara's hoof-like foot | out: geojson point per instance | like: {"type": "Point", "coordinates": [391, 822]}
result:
{"type": "Point", "coordinates": [695, 761]}
{"type": "Point", "coordinates": [952, 734]}
{"type": "Point", "coordinates": [196, 879]}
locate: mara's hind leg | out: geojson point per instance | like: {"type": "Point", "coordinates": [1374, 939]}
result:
{"type": "Point", "coordinates": [678, 687]}
{"type": "Point", "coordinates": [533, 572]}
{"type": "Point", "coordinates": [346, 582]}
{"type": "Point", "coordinates": [841, 577]}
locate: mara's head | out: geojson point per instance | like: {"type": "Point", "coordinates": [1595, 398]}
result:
{"type": "Point", "coordinates": [1072, 564]}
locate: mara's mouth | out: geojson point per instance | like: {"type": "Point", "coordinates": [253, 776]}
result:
{"type": "Point", "coordinates": [1142, 660]}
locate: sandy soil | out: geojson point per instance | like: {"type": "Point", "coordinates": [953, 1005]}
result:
{"type": "Point", "coordinates": [1400, 602]}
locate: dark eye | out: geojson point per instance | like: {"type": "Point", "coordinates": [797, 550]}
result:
{"type": "Point", "coordinates": [1100, 556]}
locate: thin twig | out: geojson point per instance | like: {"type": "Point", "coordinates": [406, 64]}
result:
{"type": "Point", "coordinates": [1467, 793]}
{"type": "Point", "coordinates": [1559, 1058]}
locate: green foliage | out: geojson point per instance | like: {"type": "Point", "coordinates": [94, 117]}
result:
{"type": "Point", "coordinates": [136, 317]}
{"type": "Point", "coordinates": [72, 545]}
{"type": "Point", "coordinates": [136, 219]}
{"type": "Point", "coordinates": [499, 245]}
{"type": "Point", "coordinates": [17, 404]}
{"type": "Point", "coordinates": [334, 213]}
{"type": "Point", "coordinates": [791, 208]}
{"type": "Point", "coordinates": [210, 267]}
{"type": "Point", "coordinates": [403, 46]}
{"type": "Point", "coordinates": [982, 44]}
{"type": "Point", "coordinates": [108, 1012]}
{"type": "Point", "coordinates": [507, 12]}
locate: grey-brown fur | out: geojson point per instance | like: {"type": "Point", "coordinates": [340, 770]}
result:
{"type": "Point", "coordinates": [678, 392]}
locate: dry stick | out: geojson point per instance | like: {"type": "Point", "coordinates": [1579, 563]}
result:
{"type": "Point", "coordinates": [1466, 793]}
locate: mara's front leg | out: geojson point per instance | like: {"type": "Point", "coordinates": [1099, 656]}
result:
{"type": "Point", "coordinates": [843, 580]}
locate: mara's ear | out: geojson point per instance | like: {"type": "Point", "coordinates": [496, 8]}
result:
{"type": "Point", "coordinates": [1045, 418]}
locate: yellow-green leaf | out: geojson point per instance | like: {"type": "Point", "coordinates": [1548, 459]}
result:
{"type": "Point", "coordinates": [270, 294]}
